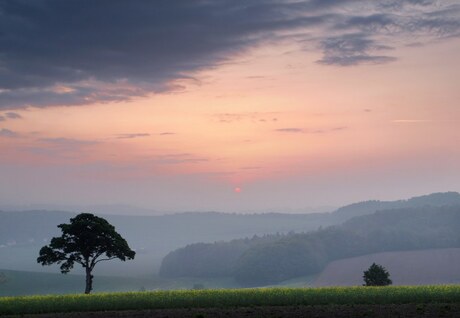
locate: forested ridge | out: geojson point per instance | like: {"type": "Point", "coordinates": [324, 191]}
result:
{"type": "Point", "coordinates": [274, 258]}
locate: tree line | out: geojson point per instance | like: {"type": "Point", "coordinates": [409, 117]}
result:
{"type": "Point", "coordinates": [274, 258]}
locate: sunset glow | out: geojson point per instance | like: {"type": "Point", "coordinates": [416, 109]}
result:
{"type": "Point", "coordinates": [275, 115]}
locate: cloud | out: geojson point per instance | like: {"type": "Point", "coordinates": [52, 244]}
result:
{"type": "Point", "coordinates": [338, 128]}
{"type": "Point", "coordinates": [328, 130]}
{"type": "Point", "coordinates": [57, 52]}
{"type": "Point", "coordinates": [172, 159]}
{"type": "Point", "coordinates": [261, 117]}
{"type": "Point", "coordinates": [352, 49]}
{"type": "Point", "coordinates": [410, 121]}
{"type": "Point", "coordinates": [7, 133]}
{"type": "Point", "coordinates": [12, 115]}
{"type": "Point", "coordinates": [311, 131]}
{"type": "Point", "coordinates": [68, 142]}
{"type": "Point", "coordinates": [166, 133]}
{"type": "Point", "coordinates": [290, 130]}
{"type": "Point", "coordinates": [251, 168]}
{"type": "Point", "coordinates": [63, 53]}
{"type": "Point", "coordinates": [229, 118]}
{"type": "Point", "coordinates": [361, 39]}
{"type": "Point", "coordinates": [131, 136]}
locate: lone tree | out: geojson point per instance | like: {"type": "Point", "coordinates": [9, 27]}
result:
{"type": "Point", "coordinates": [87, 240]}
{"type": "Point", "coordinates": [376, 275]}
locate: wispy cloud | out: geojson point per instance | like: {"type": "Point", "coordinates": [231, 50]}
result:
{"type": "Point", "coordinates": [328, 130]}
{"type": "Point", "coordinates": [290, 130]}
{"type": "Point", "coordinates": [12, 115]}
{"type": "Point", "coordinates": [132, 135]}
{"type": "Point", "coordinates": [255, 117]}
{"type": "Point", "coordinates": [8, 133]}
{"type": "Point", "coordinates": [179, 158]}
{"type": "Point", "coordinates": [352, 49]}
{"type": "Point", "coordinates": [402, 121]}
{"type": "Point", "coordinates": [310, 131]}
{"type": "Point", "coordinates": [68, 142]}
{"type": "Point", "coordinates": [251, 168]}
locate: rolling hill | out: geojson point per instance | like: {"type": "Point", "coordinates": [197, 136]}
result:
{"type": "Point", "coordinates": [22, 233]}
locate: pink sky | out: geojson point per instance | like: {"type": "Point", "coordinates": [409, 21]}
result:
{"type": "Point", "coordinates": [267, 118]}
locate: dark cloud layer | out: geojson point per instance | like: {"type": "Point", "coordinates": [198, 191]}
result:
{"type": "Point", "coordinates": [55, 52]}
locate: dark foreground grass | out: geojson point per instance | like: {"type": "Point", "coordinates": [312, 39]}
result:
{"type": "Point", "coordinates": [230, 298]}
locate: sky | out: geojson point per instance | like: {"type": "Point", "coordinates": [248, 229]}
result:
{"type": "Point", "coordinates": [234, 106]}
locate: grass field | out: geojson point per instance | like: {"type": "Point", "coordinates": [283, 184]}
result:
{"type": "Point", "coordinates": [226, 298]}
{"type": "Point", "coordinates": [20, 283]}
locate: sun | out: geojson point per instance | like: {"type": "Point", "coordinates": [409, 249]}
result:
{"type": "Point", "coordinates": [237, 190]}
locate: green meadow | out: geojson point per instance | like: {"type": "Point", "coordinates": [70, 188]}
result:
{"type": "Point", "coordinates": [21, 283]}
{"type": "Point", "coordinates": [225, 298]}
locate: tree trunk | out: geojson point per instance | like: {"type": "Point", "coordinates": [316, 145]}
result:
{"type": "Point", "coordinates": [89, 281]}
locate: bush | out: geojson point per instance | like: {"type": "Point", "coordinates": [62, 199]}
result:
{"type": "Point", "coordinates": [376, 275]}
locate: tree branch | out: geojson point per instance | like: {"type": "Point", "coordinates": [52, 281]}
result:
{"type": "Point", "coordinates": [104, 259]}
{"type": "Point", "coordinates": [93, 261]}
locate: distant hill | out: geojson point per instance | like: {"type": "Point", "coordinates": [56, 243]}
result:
{"type": "Point", "coordinates": [23, 233]}
{"type": "Point", "coordinates": [275, 259]}
{"type": "Point", "coordinates": [110, 209]}
{"type": "Point", "coordinates": [424, 267]}
{"type": "Point", "coordinates": [369, 207]}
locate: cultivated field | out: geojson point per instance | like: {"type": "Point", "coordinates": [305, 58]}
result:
{"type": "Point", "coordinates": [424, 267]}
{"type": "Point", "coordinates": [378, 299]}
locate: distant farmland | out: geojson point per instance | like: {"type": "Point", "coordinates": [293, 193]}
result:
{"type": "Point", "coordinates": [425, 267]}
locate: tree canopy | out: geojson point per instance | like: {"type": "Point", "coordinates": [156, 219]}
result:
{"type": "Point", "coordinates": [376, 275]}
{"type": "Point", "coordinates": [87, 240]}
